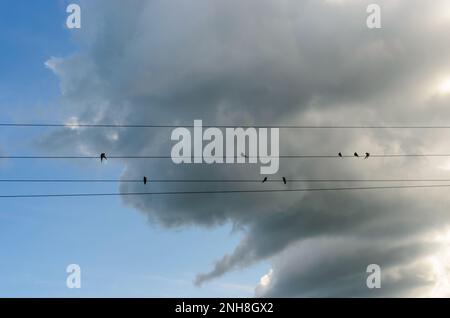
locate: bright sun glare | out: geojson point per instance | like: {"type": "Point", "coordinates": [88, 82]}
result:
{"type": "Point", "coordinates": [444, 87]}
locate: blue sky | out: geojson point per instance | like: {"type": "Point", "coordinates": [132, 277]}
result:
{"type": "Point", "coordinates": [119, 252]}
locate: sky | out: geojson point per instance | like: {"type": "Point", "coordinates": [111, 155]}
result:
{"type": "Point", "coordinates": [234, 62]}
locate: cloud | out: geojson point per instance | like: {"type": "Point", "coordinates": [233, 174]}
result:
{"type": "Point", "coordinates": [266, 61]}
{"type": "Point", "coordinates": [339, 270]}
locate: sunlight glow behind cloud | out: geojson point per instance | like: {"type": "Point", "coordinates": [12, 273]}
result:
{"type": "Point", "coordinates": [444, 87]}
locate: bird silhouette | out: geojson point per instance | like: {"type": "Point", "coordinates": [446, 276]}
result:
{"type": "Point", "coordinates": [264, 180]}
{"type": "Point", "coordinates": [244, 155]}
{"type": "Point", "coordinates": [145, 180]}
{"type": "Point", "coordinates": [356, 154]}
{"type": "Point", "coordinates": [284, 180]}
{"type": "Point", "coordinates": [340, 155]}
{"type": "Point", "coordinates": [103, 156]}
{"type": "Point", "coordinates": [367, 155]}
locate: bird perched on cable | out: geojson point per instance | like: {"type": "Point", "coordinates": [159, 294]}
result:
{"type": "Point", "coordinates": [145, 180]}
{"type": "Point", "coordinates": [284, 180]}
{"type": "Point", "coordinates": [356, 154]}
{"type": "Point", "coordinates": [103, 156]}
{"type": "Point", "coordinates": [367, 155]}
{"type": "Point", "coordinates": [264, 180]}
{"type": "Point", "coordinates": [340, 155]}
{"type": "Point", "coordinates": [244, 155]}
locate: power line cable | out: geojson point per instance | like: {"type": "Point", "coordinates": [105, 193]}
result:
{"type": "Point", "coordinates": [110, 125]}
{"type": "Point", "coordinates": [219, 191]}
{"type": "Point", "coordinates": [223, 157]}
{"type": "Point", "coordinates": [211, 180]}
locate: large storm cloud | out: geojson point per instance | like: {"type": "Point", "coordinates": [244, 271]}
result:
{"type": "Point", "coordinates": [275, 62]}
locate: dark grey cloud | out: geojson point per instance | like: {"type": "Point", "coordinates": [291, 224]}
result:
{"type": "Point", "coordinates": [256, 62]}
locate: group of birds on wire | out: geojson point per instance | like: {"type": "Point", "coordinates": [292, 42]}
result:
{"type": "Point", "coordinates": [145, 180]}
{"type": "Point", "coordinates": [340, 155]}
{"type": "Point", "coordinates": [367, 155]}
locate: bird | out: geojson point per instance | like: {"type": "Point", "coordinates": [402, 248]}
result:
{"type": "Point", "coordinates": [264, 180]}
{"type": "Point", "coordinates": [284, 180]}
{"type": "Point", "coordinates": [367, 155]}
{"type": "Point", "coordinates": [244, 155]}
{"type": "Point", "coordinates": [356, 154]}
{"type": "Point", "coordinates": [103, 156]}
{"type": "Point", "coordinates": [340, 155]}
{"type": "Point", "coordinates": [145, 180]}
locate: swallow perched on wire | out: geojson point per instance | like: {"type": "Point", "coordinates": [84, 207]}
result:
{"type": "Point", "coordinates": [244, 155]}
{"type": "Point", "coordinates": [356, 154]}
{"type": "Point", "coordinates": [367, 155]}
{"type": "Point", "coordinates": [145, 180]}
{"type": "Point", "coordinates": [264, 180]}
{"type": "Point", "coordinates": [103, 156]}
{"type": "Point", "coordinates": [340, 155]}
{"type": "Point", "coordinates": [284, 180]}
